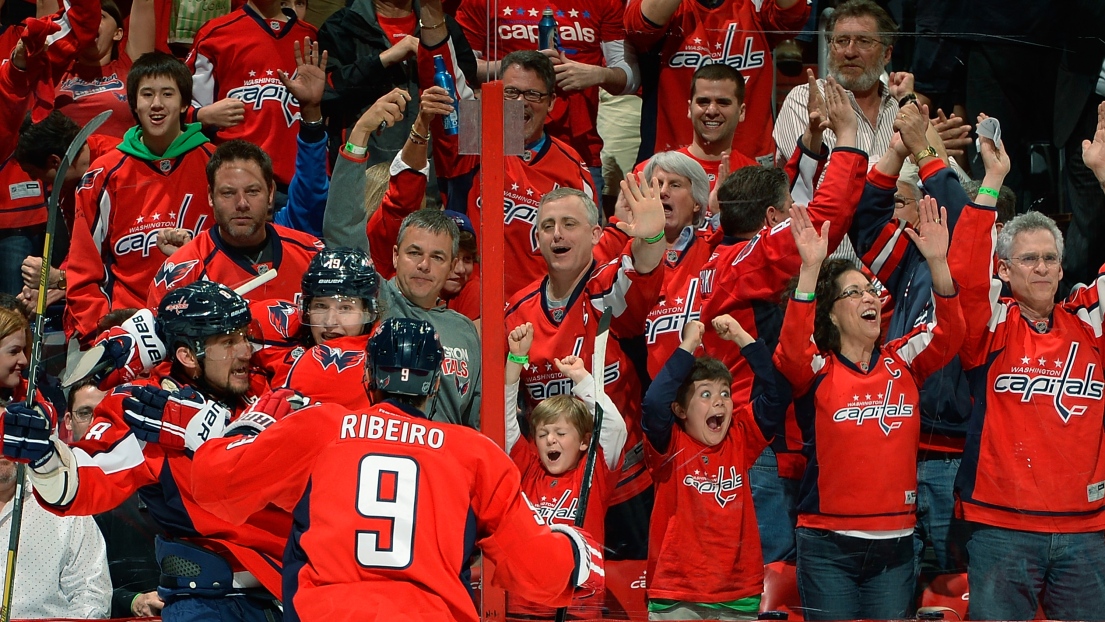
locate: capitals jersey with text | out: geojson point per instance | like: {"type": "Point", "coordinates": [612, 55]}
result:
{"type": "Point", "coordinates": [585, 30]}
{"type": "Point", "coordinates": [238, 55]}
{"type": "Point", "coordinates": [389, 507]}
{"type": "Point", "coordinates": [680, 299]}
{"type": "Point", "coordinates": [87, 90]}
{"type": "Point", "coordinates": [732, 33]}
{"type": "Point", "coordinates": [552, 165]}
{"type": "Point", "coordinates": [121, 204]}
{"type": "Point", "coordinates": [614, 285]}
{"type": "Point", "coordinates": [209, 257]}
{"type": "Point", "coordinates": [861, 429]}
{"type": "Point", "coordinates": [113, 465]}
{"type": "Point", "coordinates": [556, 500]}
{"type": "Point", "coordinates": [1033, 458]}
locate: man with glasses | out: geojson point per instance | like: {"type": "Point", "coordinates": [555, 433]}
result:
{"type": "Point", "coordinates": [861, 43]}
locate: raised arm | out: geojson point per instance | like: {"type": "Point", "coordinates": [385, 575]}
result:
{"type": "Point", "coordinates": [613, 434]}
{"type": "Point", "coordinates": [644, 222]}
{"type": "Point", "coordinates": [142, 32]}
{"type": "Point", "coordinates": [519, 342]}
{"type": "Point", "coordinates": [657, 416]}
{"type": "Point", "coordinates": [796, 356]}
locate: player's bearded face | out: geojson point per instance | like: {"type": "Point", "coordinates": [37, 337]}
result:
{"type": "Point", "coordinates": [708, 412]}
{"type": "Point", "coordinates": [241, 199]}
{"type": "Point", "coordinates": [565, 235]}
{"type": "Point", "coordinates": [226, 363]}
{"type": "Point", "coordinates": [12, 359]}
{"type": "Point", "coordinates": [715, 110]}
{"type": "Point", "coordinates": [559, 445]}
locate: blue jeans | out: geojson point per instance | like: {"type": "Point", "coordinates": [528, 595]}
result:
{"type": "Point", "coordinates": [221, 609]}
{"type": "Point", "coordinates": [936, 522]}
{"type": "Point", "coordinates": [775, 499]}
{"type": "Point", "coordinates": [845, 578]}
{"type": "Point", "coordinates": [599, 184]}
{"type": "Point", "coordinates": [14, 248]}
{"type": "Point", "coordinates": [1013, 572]}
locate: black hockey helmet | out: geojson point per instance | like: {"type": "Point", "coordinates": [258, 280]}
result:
{"type": "Point", "coordinates": [341, 272]}
{"type": "Point", "coordinates": [405, 357]}
{"type": "Point", "coordinates": [189, 315]}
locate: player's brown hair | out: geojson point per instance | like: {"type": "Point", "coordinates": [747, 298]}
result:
{"type": "Point", "coordinates": [704, 368]}
{"type": "Point", "coordinates": [568, 406]}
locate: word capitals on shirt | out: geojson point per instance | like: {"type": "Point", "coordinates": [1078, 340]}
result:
{"type": "Point", "coordinates": [261, 90]}
{"type": "Point", "coordinates": [880, 410]}
{"type": "Point", "coordinates": [670, 318]}
{"type": "Point", "coordinates": [551, 510]}
{"type": "Point", "coordinates": [143, 234]}
{"type": "Point", "coordinates": [717, 485]}
{"type": "Point", "coordinates": [1028, 382]}
{"type": "Point", "coordinates": [560, 385]}
{"type": "Point", "coordinates": [741, 58]}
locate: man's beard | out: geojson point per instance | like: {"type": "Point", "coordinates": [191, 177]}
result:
{"type": "Point", "coordinates": [864, 82]}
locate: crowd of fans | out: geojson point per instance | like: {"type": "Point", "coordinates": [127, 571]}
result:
{"type": "Point", "coordinates": [828, 339]}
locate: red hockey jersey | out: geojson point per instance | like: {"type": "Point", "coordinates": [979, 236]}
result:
{"type": "Point", "coordinates": [614, 285]}
{"type": "Point", "coordinates": [87, 90]}
{"type": "Point", "coordinates": [389, 506]}
{"type": "Point", "coordinates": [238, 56]}
{"type": "Point", "coordinates": [121, 204]}
{"type": "Point", "coordinates": [113, 465]}
{"type": "Point", "coordinates": [703, 538]}
{"type": "Point", "coordinates": [680, 300]}
{"type": "Point", "coordinates": [553, 165]}
{"type": "Point", "coordinates": [733, 33]}
{"type": "Point", "coordinates": [841, 408]}
{"type": "Point", "coordinates": [582, 27]}
{"type": "Point", "coordinates": [1032, 460]}
{"type": "Point", "coordinates": [209, 257]}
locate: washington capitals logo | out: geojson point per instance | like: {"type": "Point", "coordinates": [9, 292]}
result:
{"type": "Point", "coordinates": [279, 316]}
{"type": "Point", "coordinates": [336, 357]}
{"type": "Point", "coordinates": [169, 274]}
{"type": "Point", "coordinates": [1059, 387]}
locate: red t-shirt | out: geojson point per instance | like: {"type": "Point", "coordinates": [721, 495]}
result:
{"type": "Point", "coordinates": [396, 28]}
{"type": "Point", "coordinates": [85, 91]}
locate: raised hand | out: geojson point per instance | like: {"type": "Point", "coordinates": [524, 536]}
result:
{"type": "Point", "coordinates": [813, 248]}
{"type": "Point", "coordinates": [901, 84]}
{"type": "Point", "coordinates": [434, 101]}
{"type": "Point", "coordinates": [931, 234]}
{"type": "Point", "coordinates": [170, 239]}
{"type": "Point", "coordinates": [722, 174]}
{"type": "Point", "coordinates": [1093, 152]}
{"type": "Point", "coordinates": [912, 124]}
{"type": "Point", "coordinates": [693, 332]}
{"type": "Point", "coordinates": [996, 161]}
{"type": "Point", "coordinates": [309, 80]}
{"type": "Point", "coordinates": [571, 366]}
{"type": "Point", "coordinates": [729, 329]}
{"type": "Point", "coordinates": [520, 340]}
{"type": "Point", "coordinates": [815, 106]}
{"type": "Point", "coordinates": [387, 111]}
{"type": "Point", "coordinates": [954, 132]}
{"type": "Point", "coordinates": [644, 213]}
{"type": "Point", "coordinates": [842, 118]}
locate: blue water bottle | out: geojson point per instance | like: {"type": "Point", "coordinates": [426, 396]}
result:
{"type": "Point", "coordinates": [547, 38]}
{"type": "Point", "coordinates": [444, 79]}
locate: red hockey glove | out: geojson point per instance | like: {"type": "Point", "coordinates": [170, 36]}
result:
{"type": "Point", "coordinates": [180, 420]}
{"type": "Point", "coordinates": [589, 577]}
{"type": "Point", "coordinates": [269, 408]}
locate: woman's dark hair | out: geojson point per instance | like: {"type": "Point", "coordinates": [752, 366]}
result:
{"type": "Point", "coordinates": [825, 333]}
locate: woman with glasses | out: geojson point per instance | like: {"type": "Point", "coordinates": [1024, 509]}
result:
{"type": "Point", "coordinates": [856, 401]}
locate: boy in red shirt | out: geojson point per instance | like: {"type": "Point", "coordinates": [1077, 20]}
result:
{"type": "Point", "coordinates": [704, 557]}
{"type": "Point", "coordinates": [552, 461]}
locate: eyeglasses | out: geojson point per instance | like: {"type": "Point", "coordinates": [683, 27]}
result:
{"type": "Point", "coordinates": [82, 414]}
{"type": "Point", "coordinates": [1032, 260]}
{"type": "Point", "coordinates": [531, 95]}
{"type": "Point", "coordinates": [856, 292]}
{"type": "Point", "coordinates": [841, 42]}
{"type": "Point", "coordinates": [900, 201]}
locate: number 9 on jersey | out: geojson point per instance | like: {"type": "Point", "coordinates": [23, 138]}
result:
{"type": "Point", "coordinates": [387, 495]}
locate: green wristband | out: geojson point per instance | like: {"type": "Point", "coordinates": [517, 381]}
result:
{"type": "Point", "coordinates": [514, 358]}
{"type": "Point", "coordinates": [653, 240]}
{"type": "Point", "coordinates": [989, 192]}
{"type": "Point", "coordinates": [803, 296]}
{"type": "Point", "coordinates": [355, 149]}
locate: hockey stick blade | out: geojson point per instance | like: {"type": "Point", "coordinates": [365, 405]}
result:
{"type": "Point", "coordinates": [87, 364]}
{"type": "Point", "coordinates": [598, 371]}
{"type": "Point", "coordinates": [255, 282]}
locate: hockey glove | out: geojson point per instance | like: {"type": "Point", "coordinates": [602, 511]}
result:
{"type": "Point", "coordinates": [27, 434]}
{"type": "Point", "coordinates": [270, 408]}
{"type": "Point", "coordinates": [130, 350]}
{"type": "Point", "coordinates": [180, 420]}
{"type": "Point", "coordinates": [589, 577]}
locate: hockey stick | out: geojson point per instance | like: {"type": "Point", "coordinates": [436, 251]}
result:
{"type": "Point", "coordinates": [255, 282]}
{"type": "Point", "coordinates": [598, 371]}
{"type": "Point", "coordinates": [71, 154]}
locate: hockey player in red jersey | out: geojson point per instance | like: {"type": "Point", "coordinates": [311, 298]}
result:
{"type": "Point", "coordinates": [704, 549]}
{"type": "Point", "coordinates": [688, 34]}
{"type": "Point", "coordinates": [389, 505]}
{"type": "Point", "coordinates": [210, 569]}
{"type": "Point", "coordinates": [244, 244]}
{"type": "Point", "coordinates": [1032, 464]}
{"type": "Point", "coordinates": [236, 61]}
{"type": "Point", "coordinates": [551, 460]}
{"type": "Point", "coordinates": [564, 308]}
{"type": "Point", "coordinates": [153, 180]}
{"type": "Point", "coordinates": [856, 508]}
